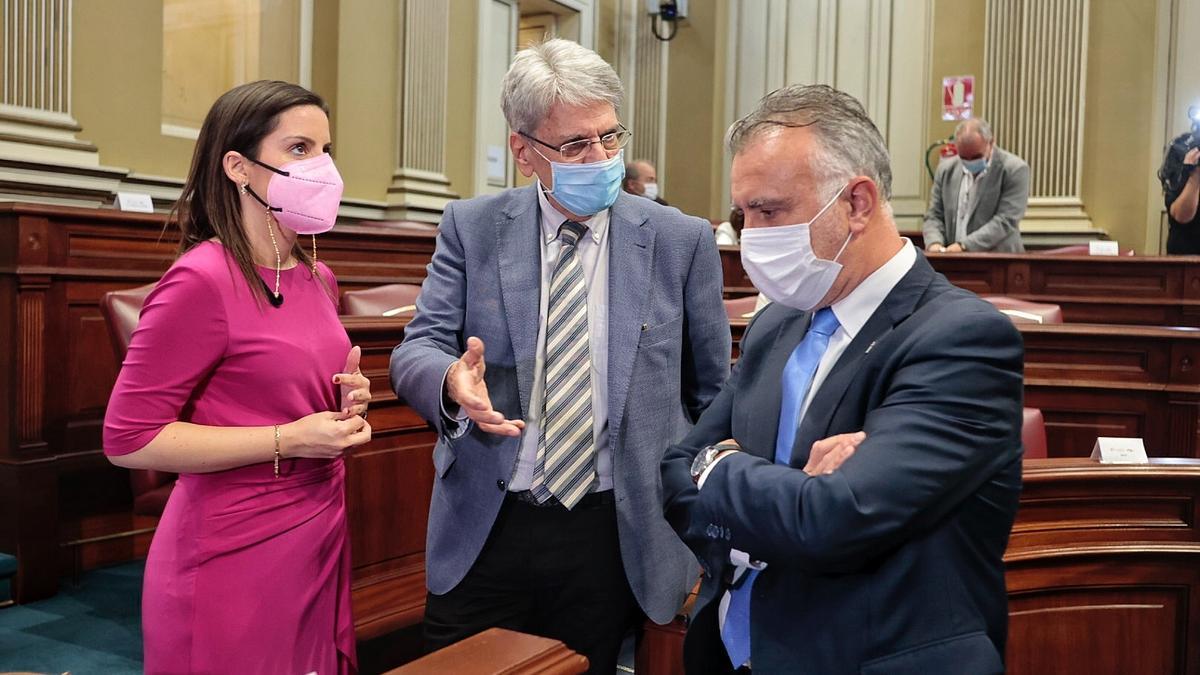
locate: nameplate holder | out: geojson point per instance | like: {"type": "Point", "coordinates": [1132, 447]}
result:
{"type": "Point", "coordinates": [1110, 450]}
{"type": "Point", "coordinates": [135, 201]}
{"type": "Point", "coordinates": [1103, 248]}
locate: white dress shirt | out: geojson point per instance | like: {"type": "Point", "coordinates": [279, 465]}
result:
{"type": "Point", "coordinates": [967, 200]}
{"type": "Point", "coordinates": [592, 250]}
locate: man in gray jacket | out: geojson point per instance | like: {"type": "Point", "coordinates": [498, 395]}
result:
{"type": "Point", "coordinates": [566, 334]}
{"type": "Point", "coordinates": [979, 197]}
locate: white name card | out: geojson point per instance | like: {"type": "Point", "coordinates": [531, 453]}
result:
{"type": "Point", "coordinates": [135, 201]}
{"type": "Point", "coordinates": [1103, 248]}
{"type": "Point", "coordinates": [1111, 450]}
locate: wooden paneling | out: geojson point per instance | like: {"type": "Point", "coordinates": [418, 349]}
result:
{"type": "Point", "coordinates": [497, 651]}
{"type": "Point", "coordinates": [1108, 380]}
{"type": "Point", "coordinates": [1137, 290]}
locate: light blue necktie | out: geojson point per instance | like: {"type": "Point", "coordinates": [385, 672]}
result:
{"type": "Point", "coordinates": [797, 379]}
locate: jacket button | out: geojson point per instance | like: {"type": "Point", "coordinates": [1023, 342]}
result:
{"type": "Point", "coordinates": [501, 485]}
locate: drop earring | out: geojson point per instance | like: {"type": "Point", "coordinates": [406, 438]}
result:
{"type": "Point", "coordinates": [242, 188]}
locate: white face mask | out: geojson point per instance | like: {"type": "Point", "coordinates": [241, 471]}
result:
{"type": "Point", "coordinates": [781, 263]}
{"type": "Point", "coordinates": [651, 191]}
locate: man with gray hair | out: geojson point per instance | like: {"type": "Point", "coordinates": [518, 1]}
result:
{"type": "Point", "coordinates": [979, 196]}
{"type": "Point", "coordinates": [566, 334]}
{"type": "Point", "coordinates": [851, 490]}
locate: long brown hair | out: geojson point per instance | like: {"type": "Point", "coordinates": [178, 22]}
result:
{"type": "Point", "coordinates": [209, 206]}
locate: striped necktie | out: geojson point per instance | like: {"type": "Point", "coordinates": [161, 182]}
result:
{"type": "Point", "coordinates": [566, 456]}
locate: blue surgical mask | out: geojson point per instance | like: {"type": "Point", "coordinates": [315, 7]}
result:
{"type": "Point", "coordinates": [588, 189]}
{"type": "Point", "coordinates": [975, 166]}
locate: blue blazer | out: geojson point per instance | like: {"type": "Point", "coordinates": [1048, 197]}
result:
{"type": "Point", "coordinates": [892, 564]}
{"type": "Point", "coordinates": [668, 354]}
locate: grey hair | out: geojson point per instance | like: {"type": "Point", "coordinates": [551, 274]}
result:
{"type": "Point", "coordinates": [631, 171]}
{"type": "Point", "coordinates": [974, 124]}
{"type": "Point", "coordinates": [850, 143]}
{"type": "Point", "coordinates": [555, 71]}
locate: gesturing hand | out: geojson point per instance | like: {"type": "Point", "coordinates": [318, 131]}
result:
{"type": "Point", "coordinates": [465, 386]}
{"type": "Point", "coordinates": [828, 453]}
{"type": "Point", "coordinates": [356, 388]}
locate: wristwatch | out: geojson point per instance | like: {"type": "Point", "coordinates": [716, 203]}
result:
{"type": "Point", "coordinates": [705, 457]}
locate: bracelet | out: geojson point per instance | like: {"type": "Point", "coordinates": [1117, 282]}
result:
{"type": "Point", "coordinates": [277, 451]}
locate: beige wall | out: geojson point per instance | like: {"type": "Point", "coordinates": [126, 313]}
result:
{"type": "Point", "coordinates": [959, 29]}
{"type": "Point", "coordinates": [117, 92]}
{"type": "Point", "coordinates": [1120, 89]}
{"type": "Point", "coordinates": [117, 60]}
{"type": "Point", "coordinates": [367, 85]}
{"type": "Point", "coordinates": [460, 97]}
{"type": "Point", "coordinates": [693, 98]}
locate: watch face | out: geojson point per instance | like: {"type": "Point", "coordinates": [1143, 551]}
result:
{"type": "Point", "coordinates": [702, 460]}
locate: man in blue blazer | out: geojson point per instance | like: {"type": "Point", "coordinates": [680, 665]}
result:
{"type": "Point", "coordinates": [855, 516]}
{"type": "Point", "coordinates": [565, 336]}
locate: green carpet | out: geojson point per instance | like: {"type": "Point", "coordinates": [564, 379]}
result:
{"type": "Point", "coordinates": [95, 628]}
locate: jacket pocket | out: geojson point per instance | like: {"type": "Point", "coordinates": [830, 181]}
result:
{"type": "Point", "coordinates": [660, 333]}
{"type": "Point", "coordinates": [970, 654]}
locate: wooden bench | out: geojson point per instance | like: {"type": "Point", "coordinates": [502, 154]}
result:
{"type": "Point", "coordinates": [1142, 290]}
{"type": "Point", "coordinates": [1108, 380]}
{"type": "Point", "coordinates": [496, 651]}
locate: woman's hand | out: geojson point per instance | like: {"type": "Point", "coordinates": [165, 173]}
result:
{"type": "Point", "coordinates": [322, 435]}
{"type": "Point", "coordinates": [356, 388]}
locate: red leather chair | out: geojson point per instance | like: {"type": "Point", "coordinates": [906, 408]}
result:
{"type": "Point", "coordinates": [1075, 249]}
{"type": "Point", "coordinates": [121, 310]}
{"type": "Point", "coordinates": [389, 300]}
{"type": "Point", "coordinates": [738, 308]}
{"type": "Point", "coordinates": [1033, 433]}
{"type": "Point", "coordinates": [1023, 311]}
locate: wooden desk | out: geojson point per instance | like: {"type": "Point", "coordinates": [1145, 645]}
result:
{"type": "Point", "coordinates": [1143, 290]}
{"type": "Point", "coordinates": [1108, 380]}
{"type": "Point", "coordinates": [1103, 573]}
{"type": "Point", "coordinates": [496, 651]}
{"type": "Point", "coordinates": [58, 369]}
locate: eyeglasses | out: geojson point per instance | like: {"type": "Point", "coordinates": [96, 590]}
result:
{"type": "Point", "coordinates": [576, 149]}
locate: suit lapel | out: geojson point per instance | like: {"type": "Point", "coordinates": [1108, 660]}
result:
{"type": "Point", "coordinates": [896, 307]}
{"type": "Point", "coordinates": [520, 259]}
{"type": "Point", "coordinates": [631, 261]}
{"type": "Point", "coordinates": [950, 202]}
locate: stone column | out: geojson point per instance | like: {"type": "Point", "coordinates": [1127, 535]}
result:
{"type": "Point", "coordinates": [40, 158]}
{"type": "Point", "coordinates": [1033, 88]}
{"type": "Point", "coordinates": [420, 189]}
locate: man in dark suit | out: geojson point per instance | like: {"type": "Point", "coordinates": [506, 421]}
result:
{"type": "Point", "coordinates": [565, 336]}
{"type": "Point", "coordinates": [856, 518]}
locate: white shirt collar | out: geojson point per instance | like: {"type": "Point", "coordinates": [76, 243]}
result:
{"type": "Point", "coordinates": [855, 309]}
{"type": "Point", "coordinates": [552, 219]}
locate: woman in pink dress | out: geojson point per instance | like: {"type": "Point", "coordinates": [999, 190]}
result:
{"type": "Point", "coordinates": [241, 379]}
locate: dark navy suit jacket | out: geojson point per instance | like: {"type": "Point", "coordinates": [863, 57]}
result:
{"type": "Point", "coordinates": [892, 564]}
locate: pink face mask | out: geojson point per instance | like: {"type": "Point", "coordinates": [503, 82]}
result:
{"type": "Point", "coordinates": [304, 195]}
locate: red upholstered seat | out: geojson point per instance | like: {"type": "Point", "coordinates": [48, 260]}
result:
{"type": "Point", "coordinates": [740, 308]}
{"type": "Point", "coordinates": [389, 300]}
{"type": "Point", "coordinates": [121, 310]}
{"type": "Point", "coordinates": [1023, 311]}
{"type": "Point", "coordinates": [1033, 433]}
{"type": "Point", "coordinates": [1075, 249]}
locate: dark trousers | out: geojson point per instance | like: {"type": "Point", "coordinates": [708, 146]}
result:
{"type": "Point", "coordinates": [546, 571]}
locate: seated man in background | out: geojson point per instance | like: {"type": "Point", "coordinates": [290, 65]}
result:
{"type": "Point", "coordinates": [856, 521]}
{"type": "Point", "coordinates": [641, 179]}
{"type": "Point", "coordinates": [979, 197]}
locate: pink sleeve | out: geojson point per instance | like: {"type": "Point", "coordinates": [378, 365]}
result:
{"type": "Point", "coordinates": [331, 281]}
{"type": "Point", "coordinates": [180, 337]}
